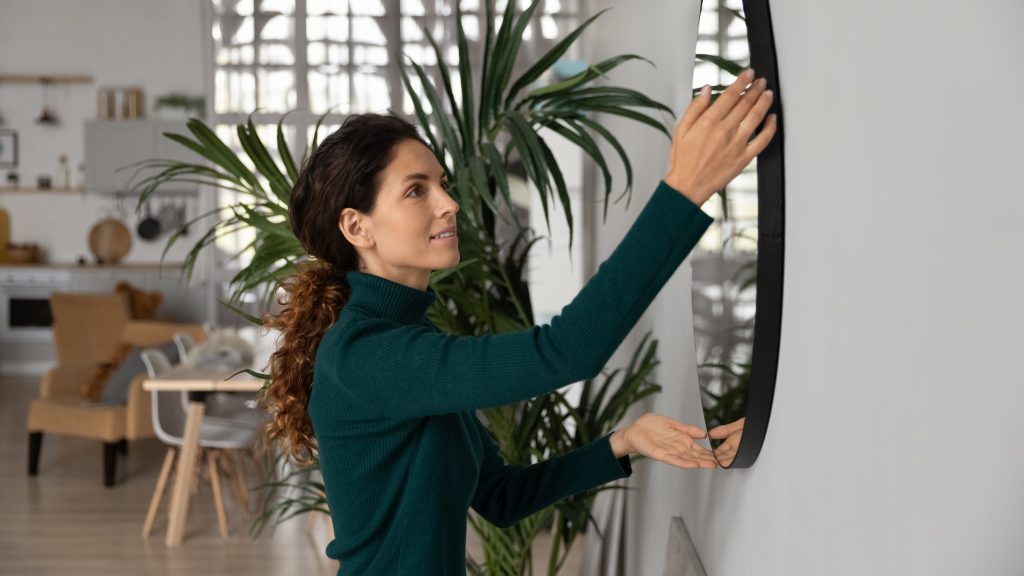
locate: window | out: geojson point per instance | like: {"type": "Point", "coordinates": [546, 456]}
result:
{"type": "Point", "coordinates": [310, 57]}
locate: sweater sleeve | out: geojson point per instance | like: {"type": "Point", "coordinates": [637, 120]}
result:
{"type": "Point", "coordinates": [401, 371]}
{"type": "Point", "coordinates": [506, 494]}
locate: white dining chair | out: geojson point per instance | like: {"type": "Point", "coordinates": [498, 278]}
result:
{"type": "Point", "coordinates": [215, 439]}
{"type": "Point", "coordinates": [228, 408]}
{"type": "Point", "coordinates": [185, 343]}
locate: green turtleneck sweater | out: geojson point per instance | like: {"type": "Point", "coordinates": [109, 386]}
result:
{"type": "Point", "coordinates": [403, 454]}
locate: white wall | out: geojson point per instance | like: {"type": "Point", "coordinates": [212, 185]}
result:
{"type": "Point", "coordinates": [155, 44]}
{"type": "Point", "coordinates": [894, 446]}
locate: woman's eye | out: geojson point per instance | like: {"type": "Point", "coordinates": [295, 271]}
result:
{"type": "Point", "coordinates": [414, 191]}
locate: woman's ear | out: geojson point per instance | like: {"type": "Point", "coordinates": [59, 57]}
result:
{"type": "Point", "coordinates": [353, 225]}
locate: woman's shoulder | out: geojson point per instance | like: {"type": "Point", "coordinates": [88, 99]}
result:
{"type": "Point", "coordinates": [355, 325]}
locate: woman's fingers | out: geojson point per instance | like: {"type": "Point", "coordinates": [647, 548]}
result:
{"type": "Point", "coordinates": [741, 114]}
{"type": "Point", "coordinates": [688, 429]}
{"type": "Point", "coordinates": [668, 440]}
{"type": "Point", "coordinates": [723, 431]}
{"type": "Point", "coordinates": [683, 461]}
{"type": "Point", "coordinates": [693, 450]}
{"type": "Point", "coordinates": [697, 107]}
{"type": "Point", "coordinates": [728, 99]}
{"type": "Point", "coordinates": [712, 142]}
{"type": "Point", "coordinates": [680, 461]}
{"type": "Point", "coordinates": [760, 142]}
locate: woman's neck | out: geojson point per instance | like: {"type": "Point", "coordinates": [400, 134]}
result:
{"type": "Point", "coordinates": [417, 278]}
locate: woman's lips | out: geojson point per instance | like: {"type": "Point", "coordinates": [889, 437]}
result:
{"type": "Point", "coordinates": [450, 230]}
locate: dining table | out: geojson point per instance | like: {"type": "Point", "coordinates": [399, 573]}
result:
{"type": "Point", "coordinates": [197, 382]}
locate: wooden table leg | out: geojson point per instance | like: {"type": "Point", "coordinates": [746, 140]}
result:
{"type": "Point", "coordinates": [184, 471]}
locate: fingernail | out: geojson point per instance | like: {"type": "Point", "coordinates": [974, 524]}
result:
{"type": "Point", "coordinates": [748, 74]}
{"type": "Point", "coordinates": [705, 90]}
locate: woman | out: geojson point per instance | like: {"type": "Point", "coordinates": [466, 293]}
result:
{"type": "Point", "coordinates": [362, 378]}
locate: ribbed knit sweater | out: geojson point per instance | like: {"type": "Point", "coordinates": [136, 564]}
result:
{"type": "Point", "coordinates": [404, 456]}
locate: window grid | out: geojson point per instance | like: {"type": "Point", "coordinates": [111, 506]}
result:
{"type": "Point", "coordinates": [305, 53]}
{"type": "Point", "coordinates": [277, 56]}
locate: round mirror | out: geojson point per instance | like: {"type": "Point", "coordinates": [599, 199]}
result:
{"type": "Point", "coordinates": [737, 267]}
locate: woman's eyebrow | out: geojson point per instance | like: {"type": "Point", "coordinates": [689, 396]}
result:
{"type": "Point", "coordinates": [421, 176]}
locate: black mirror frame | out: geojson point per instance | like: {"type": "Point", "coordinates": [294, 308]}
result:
{"type": "Point", "coordinates": [771, 243]}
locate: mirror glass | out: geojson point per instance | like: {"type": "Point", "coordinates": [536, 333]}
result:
{"type": "Point", "coordinates": [724, 264]}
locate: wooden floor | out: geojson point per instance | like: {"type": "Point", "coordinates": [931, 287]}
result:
{"type": "Point", "coordinates": [64, 521]}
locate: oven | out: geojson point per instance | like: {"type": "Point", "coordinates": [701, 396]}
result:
{"type": "Point", "coordinates": [25, 303]}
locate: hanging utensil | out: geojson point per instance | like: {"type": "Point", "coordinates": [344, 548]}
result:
{"type": "Point", "coordinates": [183, 218]}
{"type": "Point", "coordinates": [47, 117]}
{"type": "Point", "coordinates": [149, 226]}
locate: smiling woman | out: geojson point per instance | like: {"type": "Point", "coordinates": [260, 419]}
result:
{"type": "Point", "coordinates": [400, 239]}
{"type": "Point", "coordinates": [364, 380]}
{"type": "Point", "coordinates": [346, 172]}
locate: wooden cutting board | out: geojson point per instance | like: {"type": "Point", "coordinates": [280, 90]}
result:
{"type": "Point", "coordinates": [110, 240]}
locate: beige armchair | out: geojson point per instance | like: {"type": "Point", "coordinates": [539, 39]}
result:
{"type": "Point", "coordinates": [88, 329]}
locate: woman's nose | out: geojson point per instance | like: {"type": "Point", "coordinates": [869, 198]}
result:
{"type": "Point", "coordinates": [449, 203]}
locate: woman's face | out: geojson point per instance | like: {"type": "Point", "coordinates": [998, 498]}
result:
{"type": "Point", "coordinates": [397, 240]}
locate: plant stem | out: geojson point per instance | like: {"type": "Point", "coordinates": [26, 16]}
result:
{"type": "Point", "coordinates": [556, 544]}
{"type": "Point", "coordinates": [514, 297]}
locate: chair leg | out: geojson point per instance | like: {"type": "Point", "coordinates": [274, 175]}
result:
{"type": "Point", "coordinates": [158, 494]}
{"type": "Point", "coordinates": [217, 500]}
{"type": "Point", "coordinates": [197, 470]}
{"type": "Point", "coordinates": [109, 463]}
{"type": "Point", "coordinates": [237, 479]}
{"type": "Point", "coordinates": [122, 446]}
{"type": "Point", "coordinates": [35, 442]}
{"type": "Point", "coordinates": [255, 461]}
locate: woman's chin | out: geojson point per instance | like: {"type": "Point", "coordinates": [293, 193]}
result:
{"type": "Point", "coordinates": [447, 262]}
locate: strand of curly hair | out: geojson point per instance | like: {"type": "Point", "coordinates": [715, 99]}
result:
{"type": "Point", "coordinates": [313, 299]}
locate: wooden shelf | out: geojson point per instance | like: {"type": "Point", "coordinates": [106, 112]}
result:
{"type": "Point", "coordinates": [79, 190]}
{"type": "Point", "coordinates": [19, 190]}
{"type": "Point", "coordinates": [90, 265]}
{"type": "Point", "coordinates": [45, 79]}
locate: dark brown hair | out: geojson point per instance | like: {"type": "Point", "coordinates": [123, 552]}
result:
{"type": "Point", "coordinates": [345, 171]}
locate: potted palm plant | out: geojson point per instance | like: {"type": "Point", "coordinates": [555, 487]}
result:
{"type": "Point", "coordinates": [477, 132]}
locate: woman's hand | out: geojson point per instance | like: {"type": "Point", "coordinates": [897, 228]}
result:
{"type": "Point", "coordinates": [663, 439]}
{"type": "Point", "coordinates": [710, 146]}
{"type": "Point", "coordinates": [731, 433]}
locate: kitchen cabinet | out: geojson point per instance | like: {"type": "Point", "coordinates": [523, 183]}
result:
{"type": "Point", "coordinates": [113, 144]}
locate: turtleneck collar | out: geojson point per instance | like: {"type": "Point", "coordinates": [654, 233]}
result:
{"type": "Point", "coordinates": [385, 298]}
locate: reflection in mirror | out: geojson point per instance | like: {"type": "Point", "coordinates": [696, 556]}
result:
{"type": "Point", "coordinates": [725, 262]}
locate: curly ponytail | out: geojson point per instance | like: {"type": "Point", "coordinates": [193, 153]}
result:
{"type": "Point", "coordinates": [344, 171]}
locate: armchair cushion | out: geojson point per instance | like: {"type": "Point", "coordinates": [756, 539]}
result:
{"type": "Point", "coordinates": [77, 417]}
{"type": "Point", "coordinates": [115, 389]}
{"type": "Point", "coordinates": [93, 389]}
{"type": "Point", "coordinates": [64, 381]}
